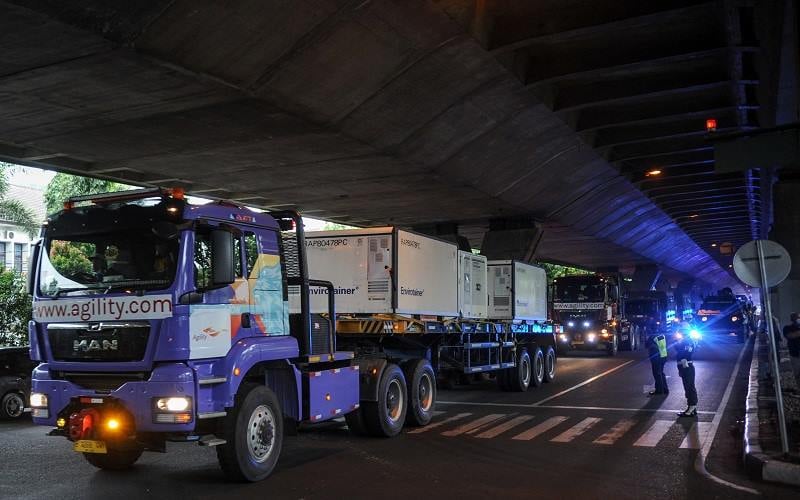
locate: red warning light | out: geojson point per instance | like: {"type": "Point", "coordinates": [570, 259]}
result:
{"type": "Point", "coordinates": [711, 125]}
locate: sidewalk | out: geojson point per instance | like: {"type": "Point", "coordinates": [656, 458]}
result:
{"type": "Point", "coordinates": [762, 443]}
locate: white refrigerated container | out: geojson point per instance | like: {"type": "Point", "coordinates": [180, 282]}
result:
{"type": "Point", "coordinates": [383, 271]}
{"type": "Point", "coordinates": [472, 294]}
{"type": "Point", "coordinates": [517, 291]}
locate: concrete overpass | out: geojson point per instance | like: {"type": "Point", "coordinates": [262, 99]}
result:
{"type": "Point", "coordinates": [534, 122]}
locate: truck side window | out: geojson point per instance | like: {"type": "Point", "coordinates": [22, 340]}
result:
{"type": "Point", "coordinates": [202, 260]}
{"type": "Point", "coordinates": [237, 256]}
{"type": "Point", "coordinates": [251, 248]}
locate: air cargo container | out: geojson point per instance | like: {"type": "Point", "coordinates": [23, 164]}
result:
{"type": "Point", "coordinates": [402, 295]}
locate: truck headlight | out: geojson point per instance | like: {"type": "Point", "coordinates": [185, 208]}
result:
{"type": "Point", "coordinates": [590, 337]}
{"type": "Point", "coordinates": [173, 404]}
{"type": "Point", "coordinates": [38, 400]}
{"type": "Point", "coordinates": [586, 324]}
{"type": "Point", "coordinates": [570, 324]}
{"type": "Point", "coordinates": [734, 318]}
{"type": "Point", "coordinates": [563, 337]}
{"type": "Point", "coordinates": [704, 318]}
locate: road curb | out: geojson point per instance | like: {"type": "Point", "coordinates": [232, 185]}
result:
{"type": "Point", "coordinates": [758, 464]}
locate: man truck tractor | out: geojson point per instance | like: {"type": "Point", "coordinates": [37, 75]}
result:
{"type": "Point", "coordinates": [157, 321]}
{"type": "Point", "coordinates": [438, 312]}
{"type": "Point", "coordinates": [647, 313]}
{"type": "Point", "coordinates": [588, 308]}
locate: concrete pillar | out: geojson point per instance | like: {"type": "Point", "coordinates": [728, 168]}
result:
{"type": "Point", "coordinates": [513, 238]}
{"type": "Point", "coordinates": [786, 231]}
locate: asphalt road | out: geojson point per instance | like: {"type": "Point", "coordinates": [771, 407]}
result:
{"type": "Point", "coordinates": [592, 433]}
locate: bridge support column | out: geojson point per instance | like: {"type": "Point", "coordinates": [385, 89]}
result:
{"type": "Point", "coordinates": [512, 238]}
{"type": "Point", "coordinates": [786, 231]}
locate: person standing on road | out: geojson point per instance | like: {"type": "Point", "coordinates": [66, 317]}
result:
{"type": "Point", "coordinates": [792, 334]}
{"type": "Point", "coordinates": [657, 350]}
{"type": "Point", "coordinates": [685, 350]}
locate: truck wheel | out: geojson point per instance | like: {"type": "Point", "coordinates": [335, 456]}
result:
{"type": "Point", "coordinates": [253, 430]}
{"type": "Point", "coordinates": [385, 418]}
{"type": "Point", "coordinates": [114, 459]}
{"type": "Point", "coordinates": [355, 422]}
{"type": "Point", "coordinates": [421, 392]}
{"type": "Point", "coordinates": [613, 347]}
{"type": "Point", "coordinates": [538, 368]}
{"type": "Point", "coordinates": [520, 376]}
{"type": "Point", "coordinates": [12, 405]}
{"type": "Point", "coordinates": [549, 364]}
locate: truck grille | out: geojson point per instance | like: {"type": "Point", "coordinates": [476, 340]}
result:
{"type": "Point", "coordinates": [99, 341]}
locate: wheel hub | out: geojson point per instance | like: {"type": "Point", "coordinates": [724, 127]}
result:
{"type": "Point", "coordinates": [14, 407]}
{"type": "Point", "coordinates": [425, 392]}
{"type": "Point", "coordinates": [394, 401]}
{"type": "Point", "coordinates": [261, 434]}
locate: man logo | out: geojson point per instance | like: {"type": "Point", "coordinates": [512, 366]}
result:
{"type": "Point", "coordinates": [94, 345]}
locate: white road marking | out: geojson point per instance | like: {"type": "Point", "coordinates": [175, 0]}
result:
{"type": "Point", "coordinates": [474, 425]}
{"type": "Point", "coordinates": [655, 433]}
{"type": "Point", "coordinates": [439, 424]}
{"type": "Point", "coordinates": [616, 432]}
{"type": "Point", "coordinates": [569, 407]}
{"type": "Point", "coordinates": [496, 431]}
{"type": "Point", "coordinates": [576, 430]}
{"type": "Point", "coordinates": [585, 382]}
{"type": "Point", "coordinates": [697, 436]}
{"type": "Point", "coordinates": [539, 429]}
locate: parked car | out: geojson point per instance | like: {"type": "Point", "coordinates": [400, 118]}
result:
{"type": "Point", "coordinates": [15, 381]}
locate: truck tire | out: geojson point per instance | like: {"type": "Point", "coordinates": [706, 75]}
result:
{"type": "Point", "coordinates": [12, 405]}
{"type": "Point", "coordinates": [355, 422]}
{"type": "Point", "coordinates": [520, 376]}
{"type": "Point", "coordinates": [114, 459]}
{"type": "Point", "coordinates": [549, 364]}
{"type": "Point", "coordinates": [537, 377]}
{"type": "Point", "coordinates": [421, 392]}
{"type": "Point", "coordinates": [253, 430]}
{"type": "Point", "coordinates": [385, 417]}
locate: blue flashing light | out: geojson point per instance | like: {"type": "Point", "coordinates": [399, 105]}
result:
{"type": "Point", "coordinates": [695, 335]}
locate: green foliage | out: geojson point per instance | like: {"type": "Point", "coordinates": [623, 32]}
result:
{"type": "Point", "coordinates": [335, 226]}
{"type": "Point", "coordinates": [15, 309]}
{"type": "Point", "coordinates": [71, 258]}
{"type": "Point", "coordinates": [14, 211]}
{"type": "Point", "coordinates": [557, 270]}
{"type": "Point", "coordinates": [64, 186]}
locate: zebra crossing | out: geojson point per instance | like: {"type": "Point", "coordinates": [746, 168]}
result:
{"type": "Point", "coordinates": [640, 433]}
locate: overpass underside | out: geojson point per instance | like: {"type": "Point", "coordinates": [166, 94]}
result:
{"type": "Point", "coordinates": [402, 112]}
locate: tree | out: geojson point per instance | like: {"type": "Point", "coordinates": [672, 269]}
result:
{"type": "Point", "coordinates": [557, 270]}
{"type": "Point", "coordinates": [15, 309]}
{"type": "Point", "coordinates": [13, 211]}
{"type": "Point", "coordinates": [64, 186]}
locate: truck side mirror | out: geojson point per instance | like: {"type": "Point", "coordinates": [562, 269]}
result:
{"type": "Point", "coordinates": [34, 259]}
{"type": "Point", "coordinates": [223, 269]}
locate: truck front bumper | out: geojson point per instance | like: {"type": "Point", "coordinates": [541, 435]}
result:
{"type": "Point", "coordinates": [136, 397]}
{"type": "Point", "coordinates": [567, 342]}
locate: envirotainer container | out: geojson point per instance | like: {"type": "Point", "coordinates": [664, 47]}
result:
{"type": "Point", "coordinates": [517, 291]}
{"type": "Point", "coordinates": [472, 294]}
{"type": "Point", "coordinates": [384, 270]}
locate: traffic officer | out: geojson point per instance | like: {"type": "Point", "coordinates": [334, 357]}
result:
{"type": "Point", "coordinates": [657, 350]}
{"type": "Point", "coordinates": [685, 347]}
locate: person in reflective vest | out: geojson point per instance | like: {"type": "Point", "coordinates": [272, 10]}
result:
{"type": "Point", "coordinates": [685, 348]}
{"type": "Point", "coordinates": [657, 350]}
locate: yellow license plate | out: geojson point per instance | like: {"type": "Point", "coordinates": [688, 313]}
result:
{"type": "Point", "coordinates": [88, 446]}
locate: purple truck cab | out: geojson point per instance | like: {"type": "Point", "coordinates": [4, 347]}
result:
{"type": "Point", "coordinates": [171, 322]}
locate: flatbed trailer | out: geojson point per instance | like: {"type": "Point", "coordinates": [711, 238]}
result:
{"type": "Point", "coordinates": [403, 297]}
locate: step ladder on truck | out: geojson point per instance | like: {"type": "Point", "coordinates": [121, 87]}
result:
{"type": "Point", "coordinates": [171, 322]}
{"type": "Point", "coordinates": [419, 303]}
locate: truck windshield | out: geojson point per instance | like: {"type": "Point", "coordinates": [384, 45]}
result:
{"type": "Point", "coordinates": [579, 292]}
{"type": "Point", "coordinates": [134, 254]}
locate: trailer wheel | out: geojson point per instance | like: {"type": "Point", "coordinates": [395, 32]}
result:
{"type": "Point", "coordinates": [114, 459]}
{"type": "Point", "coordinates": [539, 368]}
{"type": "Point", "coordinates": [385, 418]}
{"type": "Point", "coordinates": [253, 430]}
{"type": "Point", "coordinates": [355, 422]}
{"type": "Point", "coordinates": [520, 376]}
{"type": "Point", "coordinates": [421, 392]}
{"type": "Point", "coordinates": [549, 364]}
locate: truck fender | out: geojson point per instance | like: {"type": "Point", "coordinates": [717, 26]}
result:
{"type": "Point", "coordinates": [371, 370]}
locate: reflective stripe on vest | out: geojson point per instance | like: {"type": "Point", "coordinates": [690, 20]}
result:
{"type": "Point", "coordinates": [661, 342]}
